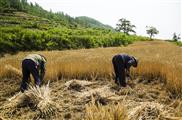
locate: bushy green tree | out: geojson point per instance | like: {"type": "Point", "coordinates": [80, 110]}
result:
{"type": "Point", "coordinates": [151, 31]}
{"type": "Point", "coordinates": [4, 4]}
{"type": "Point", "coordinates": [125, 26]}
{"type": "Point", "coordinates": [175, 37]}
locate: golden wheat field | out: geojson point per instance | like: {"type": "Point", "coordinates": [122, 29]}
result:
{"type": "Point", "coordinates": [82, 87]}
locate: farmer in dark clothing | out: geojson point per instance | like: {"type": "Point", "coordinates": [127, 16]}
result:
{"type": "Point", "coordinates": [34, 64]}
{"type": "Point", "coordinates": [122, 64]}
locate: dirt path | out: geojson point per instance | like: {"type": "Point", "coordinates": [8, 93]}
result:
{"type": "Point", "coordinates": [71, 97]}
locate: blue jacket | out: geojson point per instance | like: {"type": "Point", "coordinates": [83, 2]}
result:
{"type": "Point", "coordinates": [128, 60]}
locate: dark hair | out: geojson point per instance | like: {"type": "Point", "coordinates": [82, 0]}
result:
{"type": "Point", "coordinates": [136, 62]}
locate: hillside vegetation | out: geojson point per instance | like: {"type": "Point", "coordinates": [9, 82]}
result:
{"type": "Point", "coordinates": [26, 26]}
{"type": "Point", "coordinates": [90, 22]}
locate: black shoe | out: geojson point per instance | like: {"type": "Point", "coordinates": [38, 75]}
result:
{"type": "Point", "coordinates": [123, 85]}
{"type": "Point", "coordinates": [117, 83]}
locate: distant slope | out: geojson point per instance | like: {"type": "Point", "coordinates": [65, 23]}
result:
{"type": "Point", "coordinates": [90, 22]}
{"type": "Point", "coordinates": [11, 6]}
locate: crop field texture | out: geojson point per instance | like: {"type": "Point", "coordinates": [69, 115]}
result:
{"type": "Point", "coordinates": [82, 87]}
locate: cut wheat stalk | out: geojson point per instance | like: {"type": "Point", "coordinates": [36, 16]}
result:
{"type": "Point", "coordinates": [40, 98]}
{"type": "Point", "coordinates": [37, 97]}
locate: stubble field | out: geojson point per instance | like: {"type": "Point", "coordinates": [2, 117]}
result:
{"type": "Point", "coordinates": [82, 87]}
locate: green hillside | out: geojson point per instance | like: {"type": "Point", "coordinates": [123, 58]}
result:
{"type": "Point", "coordinates": [26, 26]}
{"type": "Point", "coordinates": [11, 6]}
{"type": "Point", "coordinates": [90, 22]}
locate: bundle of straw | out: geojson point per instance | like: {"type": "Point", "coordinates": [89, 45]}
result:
{"type": "Point", "coordinates": [36, 97]}
{"type": "Point", "coordinates": [40, 98]}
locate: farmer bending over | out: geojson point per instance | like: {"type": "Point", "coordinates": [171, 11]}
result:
{"type": "Point", "coordinates": [122, 64]}
{"type": "Point", "coordinates": [34, 64]}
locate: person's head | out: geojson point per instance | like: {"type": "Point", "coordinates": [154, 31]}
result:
{"type": "Point", "coordinates": [136, 62]}
{"type": "Point", "coordinates": [43, 58]}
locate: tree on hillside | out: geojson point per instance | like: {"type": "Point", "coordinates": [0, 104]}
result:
{"type": "Point", "coordinates": [125, 26]}
{"type": "Point", "coordinates": [4, 4]}
{"type": "Point", "coordinates": [16, 4]}
{"type": "Point", "coordinates": [175, 37]}
{"type": "Point", "coordinates": [12, 5]}
{"type": "Point", "coordinates": [151, 31]}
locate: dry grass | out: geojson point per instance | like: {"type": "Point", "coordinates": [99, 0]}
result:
{"type": "Point", "coordinates": [108, 112]}
{"type": "Point", "coordinates": [148, 111]}
{"type": "Point", "coordinates": [12, 72]}
{"type": "Point", "coordinates": [37, 98]}
{"type": "Point", "coordinates": [157, 59]}
{"type": "Point", "coordinates": [41, 99]}
{"type": "Point", "coordinates": [177, 105]}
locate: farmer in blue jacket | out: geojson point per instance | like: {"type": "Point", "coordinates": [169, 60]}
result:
{"type": "Point", "coordinates": [33, 64]}
{"type": "Point", "coordinates": [122, 64]}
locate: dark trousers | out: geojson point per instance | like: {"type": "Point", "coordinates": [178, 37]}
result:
{"type": "Point", "coordinates": [119, 69]}
{"type": "Point", "coordinates": [28, 66]}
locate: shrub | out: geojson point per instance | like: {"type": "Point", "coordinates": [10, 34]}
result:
{"type": "Point", "coordinates": [19, 38]}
